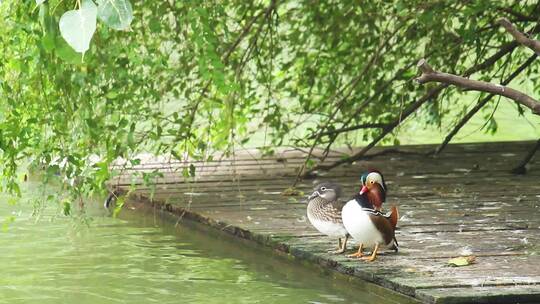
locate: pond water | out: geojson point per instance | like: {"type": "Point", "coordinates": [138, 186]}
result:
{"type": "Point", "coordinates": [142, 258]}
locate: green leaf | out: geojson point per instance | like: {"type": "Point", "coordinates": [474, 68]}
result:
{"type": "Point", "coordinates": [462, 261]}
{"type": "Point", "coordinates": [192, 170]}
{"type": "Point", "coordinates": [66, 207]}
{"type": "Point", "coordinates": [66, 53]}
{"type": "Point", "coordinates": [13, 200]}
{"type": "Point", "coordinates": [7, 221]}
{"type": "Point", "coordinates": [111, 95]}
{"type": "Point", "coordinates": [48, 23]}
{"type": "Point", "coordinates": [491, 126]}
{"type": "Point", "coordinates": [47, 42]}
{"type": "Point", "coordinates": [131, 136]}
{"type": "Point", "coordinates": [116, 14]}
{"type": "Point", "coordinates": [154, 25]}
{"type": "Point", "coordinates": [410, 74]}
{"type": "Point", "coordinates": [120, 201]}
{"type": "Point", "coordinates": [185, 172]}
{"type": "Point", "coordinates": [176, 155]}
{"type": "Point", "coordinates": [78, 26]}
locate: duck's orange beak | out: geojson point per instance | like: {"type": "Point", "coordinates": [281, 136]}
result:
{"type": "Point", "coordinates": [364, 190]}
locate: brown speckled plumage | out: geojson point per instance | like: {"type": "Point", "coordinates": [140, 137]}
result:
{"type": "Point", "coordinates": [324, 213]}
{"type": "Point", "coordinates": [323, 210]}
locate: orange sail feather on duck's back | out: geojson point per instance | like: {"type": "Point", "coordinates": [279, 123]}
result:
{"type": "Point", "coordinates": [394, 216]}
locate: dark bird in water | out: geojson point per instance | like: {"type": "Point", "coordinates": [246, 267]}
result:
{"type": "Point", "coordinates": [324, 213]}
{"type": "Point", "coordinates": [365, 223]}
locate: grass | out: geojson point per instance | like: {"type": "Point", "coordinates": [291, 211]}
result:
{"type": "Point", "coordinates": [510, 127]}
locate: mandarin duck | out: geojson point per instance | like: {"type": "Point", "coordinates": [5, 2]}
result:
{"type": "Point", "coordinates": [324, 213]}
{"type": "Point", "coordinates": [365, 223]}
{"type": "Point", "coordinates": [377, 197]}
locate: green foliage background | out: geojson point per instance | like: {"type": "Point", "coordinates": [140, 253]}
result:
{"type": "Point", "coordinates": [193, 77]}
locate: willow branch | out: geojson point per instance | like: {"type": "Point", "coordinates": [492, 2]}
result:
{"type": "Point", "coordinates": [520, 37]}
{"type": "Point", "coordinates": [430, 75]}
{"type": "Point", "coordinates": [352, 86]}
{"type": "Point", "coordinates": [357, 127]}
{"type": "Point", "coordinates": [228, 53]}
{"type": "Point", "coordinates": [391, 126]}
{"type": "Point", "coordinates": [504, 50]}
{"type": "Point", "coordinates": [365, 103]}
{"type": "Point", "coordinates": [518, 16]}
{"type": "Point", "coordinates": [481, 104]}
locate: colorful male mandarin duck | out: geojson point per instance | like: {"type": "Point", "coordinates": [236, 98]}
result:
{"type": "Point", "coordinates": [376, 197]}
{"type": "Point", "coordinates": [367, 225]}
{"type": "Point", "coordinates": [324, 213]}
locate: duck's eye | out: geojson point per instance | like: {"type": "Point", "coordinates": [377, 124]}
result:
{"type": "Point", "coordinates": [372, 182]}
{"type": "Point", "coordinates": [323, 188]}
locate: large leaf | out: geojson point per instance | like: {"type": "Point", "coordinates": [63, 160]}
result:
{"type": "Point", "coordinates": [65, 52]}
{"type": "Point", "coordinates": [78, 26]}
{"type": "Point", "coordinates": [117, 14]}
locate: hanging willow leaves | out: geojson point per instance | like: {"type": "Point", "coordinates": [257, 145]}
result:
{"type": "Point", "coordinates": [195, 77]}
{"type": "Point", "coordinates": [116, 14]}
{"type": "Point", "coordinates": [78, 26]}
{"type": "Point", "coordinates": [48, 27]}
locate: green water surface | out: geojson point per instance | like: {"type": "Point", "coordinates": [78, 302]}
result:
{"type": "Point", "coordinates": [142, 258]}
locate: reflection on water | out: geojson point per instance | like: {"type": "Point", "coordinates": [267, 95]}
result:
{"type": "Point", "coordinates": [141, 259]}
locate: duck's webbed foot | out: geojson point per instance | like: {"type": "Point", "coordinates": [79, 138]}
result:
{"type": "Point", "coordinates": [341, 247]}
{"type": "Point", "coordinates": [373, 255]}
{"type": "Point", "coordinates": [358, 254]}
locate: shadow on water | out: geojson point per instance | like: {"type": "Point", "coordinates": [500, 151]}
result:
{"type": "Point", "coordinates": [142, 258]}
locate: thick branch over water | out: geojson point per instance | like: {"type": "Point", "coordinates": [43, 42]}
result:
{"type": "Point", "coordinates": [481, 104]}
{"type": "Point", "coordinates": [430, 75]}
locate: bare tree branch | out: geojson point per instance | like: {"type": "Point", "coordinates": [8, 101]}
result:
{"type": "Point", "coordinates": [366, 102]}
{"type": "Point", "coordinates": [504, 50]}
{"type": "Point", "coordinates": [521, 168]}
{"type": "Point", "coordinates": [481, 104]}
{"type": "Point", "coordinates": [519, 16]}
{"type": "Point", "coordinates": [352, 85]}
{"type": "Point", "coordinates": [357, 127]}
{"type": "Point", "coordinates": [430, 75]}
{"type": "Point", "coordinates": [519, 36]}
{"type": "Point", "coordinates": [410, 110]}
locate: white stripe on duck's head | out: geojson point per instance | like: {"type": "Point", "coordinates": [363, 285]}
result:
{"type": "Point", "coordinates": [370, 178]}
{"type": "Point", "coordinates": [374, 187]}
{"type": "Point", "coordinates": [327, 191]}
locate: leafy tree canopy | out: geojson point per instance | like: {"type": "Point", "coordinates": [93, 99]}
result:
{"type": "Point", "coordinates": [186, 78]}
